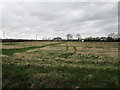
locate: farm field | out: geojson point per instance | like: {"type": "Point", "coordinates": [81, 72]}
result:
{"type": "Point", "coordinates": [60, 64]}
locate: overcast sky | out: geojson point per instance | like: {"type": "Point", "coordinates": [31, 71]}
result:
{"type": "Point", "coordinates": [52, 19]}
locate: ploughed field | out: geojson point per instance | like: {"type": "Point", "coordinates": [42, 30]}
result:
{"type": "Point", "coordinates": [59, 64]}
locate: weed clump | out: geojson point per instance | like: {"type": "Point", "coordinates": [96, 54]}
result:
{"type": "Point", "coordinates": [66, 55]}
{"type": "Point", "coordinates": [75, 48]}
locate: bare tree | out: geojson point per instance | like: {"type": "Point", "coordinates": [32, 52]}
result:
{"type": "Point", "coordinates": [69, 36]}
{"type": "Point", "coordinates": [79, 36]}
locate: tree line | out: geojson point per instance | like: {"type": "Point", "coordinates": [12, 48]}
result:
{"type": "Point", "coordinates": [70, 38]}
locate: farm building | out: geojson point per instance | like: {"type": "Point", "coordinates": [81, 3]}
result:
{"type": "Point", "coordinates": [57, 39]}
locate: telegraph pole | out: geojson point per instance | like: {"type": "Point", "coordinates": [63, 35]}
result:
{"type": "Point", "coordinates": [4, 34]}
{"type": "Point", "coordinates": [36, 36]}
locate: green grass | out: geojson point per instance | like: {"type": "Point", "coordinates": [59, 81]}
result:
{"type": "Point", "coordinates": [61, 68]}
{"type": "Point", "coordinates": [10, 44]}
{"type": "Point", "coordinates": [12, 51]}
{"type": "Point", "coordinates": [57, 76]}
{"type": "Point", "coordinates": [88, 47]}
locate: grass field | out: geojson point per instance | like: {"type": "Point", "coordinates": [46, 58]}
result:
{"type": "Point", "coordinates": [60, 65]}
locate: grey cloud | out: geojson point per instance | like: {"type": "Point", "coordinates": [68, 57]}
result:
{"type": "Point", "coordinates": [50, 19]}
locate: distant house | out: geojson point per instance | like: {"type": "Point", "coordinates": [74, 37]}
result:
{"type": "Point", "coordinates": [82, 40]}
{"type": "Point", "coordinates": [57, 39]}
{"type": "Point", "coordinates": [103, 38]}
